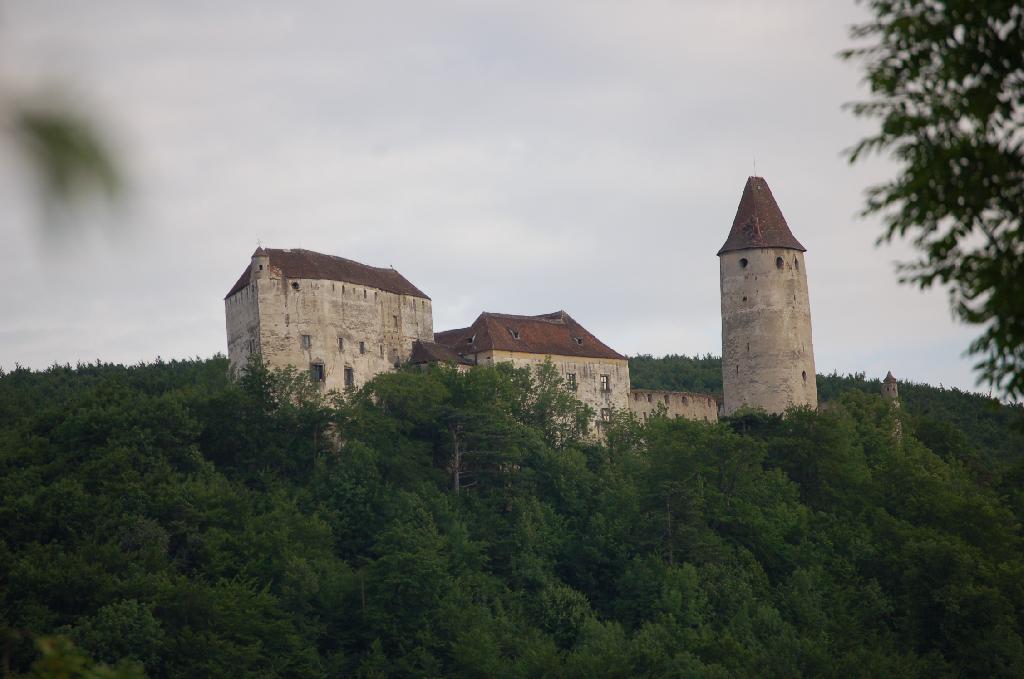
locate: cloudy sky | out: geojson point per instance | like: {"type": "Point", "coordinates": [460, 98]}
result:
{"type": "Point", "coordinates": [517, 157]}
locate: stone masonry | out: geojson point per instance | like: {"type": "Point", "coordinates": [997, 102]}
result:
{"type": "Point", "coordinates": [343, 321]}
{"type": "Point", "coordinates": [767, 356]}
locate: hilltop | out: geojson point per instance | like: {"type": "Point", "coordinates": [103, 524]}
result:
{"type": "Point", "coordinates": [186, 524]}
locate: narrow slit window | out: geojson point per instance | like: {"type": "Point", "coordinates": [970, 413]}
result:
{"type": "Point", "coordinates": [606, 384]}
{"type": "Point", "coordinates": [341, 344]}
{"type": "Point", "coordinates": [362, 347]}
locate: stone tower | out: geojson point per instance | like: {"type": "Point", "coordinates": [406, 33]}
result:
{"type": "Point", "coordinates": [890, 392]}
{"type": "Point", "coordinates": [767, 357]}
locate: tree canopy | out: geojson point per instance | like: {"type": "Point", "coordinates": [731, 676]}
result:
{"type": "Point", "coordinates": [166, 519]}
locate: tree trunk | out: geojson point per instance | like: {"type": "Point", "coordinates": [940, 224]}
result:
{"type": "Point", "coordinates": [456, 461]}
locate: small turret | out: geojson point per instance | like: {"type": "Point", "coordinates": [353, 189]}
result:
{"type": "Point", "coordinates": [890, 392]}
{"type": "Point", "coordinates": [260, 264]}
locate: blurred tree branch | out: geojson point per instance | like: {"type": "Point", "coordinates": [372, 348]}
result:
{"type": "Point", "coordinates": [947, 85]}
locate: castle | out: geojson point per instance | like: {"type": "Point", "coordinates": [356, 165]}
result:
{"type": "Point", "coordinates": [347, 322]}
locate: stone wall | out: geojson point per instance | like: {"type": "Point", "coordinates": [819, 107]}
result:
{"type": "Point", "coordinates": [767, 356]}
{"type": "Point", "coordinates": [645, 402]}
{"type": "Point", "coordinates": [241, 313]}
{"type": "Point", "coordinates": [348, 326]}
{"type": "Point", "coordinates": [587, 372]}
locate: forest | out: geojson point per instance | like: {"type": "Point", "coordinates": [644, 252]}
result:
{"type": "Point", "coordinates": [169, 520]}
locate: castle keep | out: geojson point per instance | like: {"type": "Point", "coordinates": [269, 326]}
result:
{"type": "Point", "coordinates": [342, 320]}
{"type": "Point", "coordinates": [347, 322]}
{"type": "Point", "coordinates": [767, 357]}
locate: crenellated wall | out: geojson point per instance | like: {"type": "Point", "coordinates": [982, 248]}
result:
{"type": "Point", "coordinates": [645, 402]}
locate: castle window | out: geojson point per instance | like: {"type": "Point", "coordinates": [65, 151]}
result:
{"type": "Point", "coordinates": [779, 263]}
{"type": "Point", "coordinates": [395, 319]}
{"type": "Point", "coordinates": [382, 351]}
{"type": "Point", "coordinates": [514, 333]}
{"type": "Point", "coordinates": [804, 375]}
{"type": "Point", "coordinates": [261, 267]}
{"type": "Point", "coordinates": [606, 383]}
{"type": "Point", "coordinates": [307, 341]}
{"type": "Point", "coordinates": [295, 285]}
{"type": "Point", "coordinates": [316, 371]}
{"type": "Point", "coordinates": [364, 293]}
{"type": "Point", "coordinates": [341, 344]}
{"type": "Point", "coordinates": [362, 347]}
{"type": "Point", "coordinates": [684, 400]}
{"type": "Point", "coordinates": [743, 262]}
{"type": "Point", "coordinates": [606, 414]}
{"type": "Point", "coordinates": [648, 397]}
{"type": "Point", "coordinates": [796, 263]}
{"type": "Point", "coordinates": [666, 399]}
{"type": "Point", "coordinates": [570, 381]}
{"type": "Point", "coordinates": [577, 340]}
{"type": "Point", "coordinates": [350, 377]}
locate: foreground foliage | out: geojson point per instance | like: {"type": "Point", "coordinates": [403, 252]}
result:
{"type": "Point", "coordinates": [447, 524]}
{"type": "Point", "coordinates": [946, 82]}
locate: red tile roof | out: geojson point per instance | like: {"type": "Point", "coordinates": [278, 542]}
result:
{"type": "Point", "coordinates": [556, 334]}
{"type": "Point", "coordinates": [307, 264]}
{"type": "Point", "coordinates": [889, 378]}
{"type": "Point", "coordinates": [759, 222]}
{"type": "Point", "coordinates": [432, 352]}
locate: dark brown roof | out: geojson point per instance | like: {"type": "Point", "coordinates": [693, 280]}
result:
{"type": "Point", "coordinates": [297, 263]}
{"type": "Point", "coordinates": [432, 352]}
{"type": "Point", "coordinates": [555, 334]}
{"type": "Point", "coordinates": [889, 378]}
{"type": "Point", "coordinates": [759, 222]}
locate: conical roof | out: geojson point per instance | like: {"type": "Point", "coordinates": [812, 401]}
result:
{"type": "Point", "coordinates": [759, 222]}
{"type": "Point", "coordinates": [889, 378]}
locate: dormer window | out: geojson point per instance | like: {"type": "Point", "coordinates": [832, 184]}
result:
{"type": "Point", "coordinates": [470, 339]}
{"type": "Point", "coordinates": [578, 340]}
{"type": "Point", "coordinates": [514, 333]}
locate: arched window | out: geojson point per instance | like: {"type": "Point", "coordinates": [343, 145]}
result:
{"type": "Point", "coordinates": [743, 262]}
{"type": "Point", "coordinates": [779, 263]}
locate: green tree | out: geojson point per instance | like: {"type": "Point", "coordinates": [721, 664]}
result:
{"type": "Point", "coordinates": [947, 79]}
